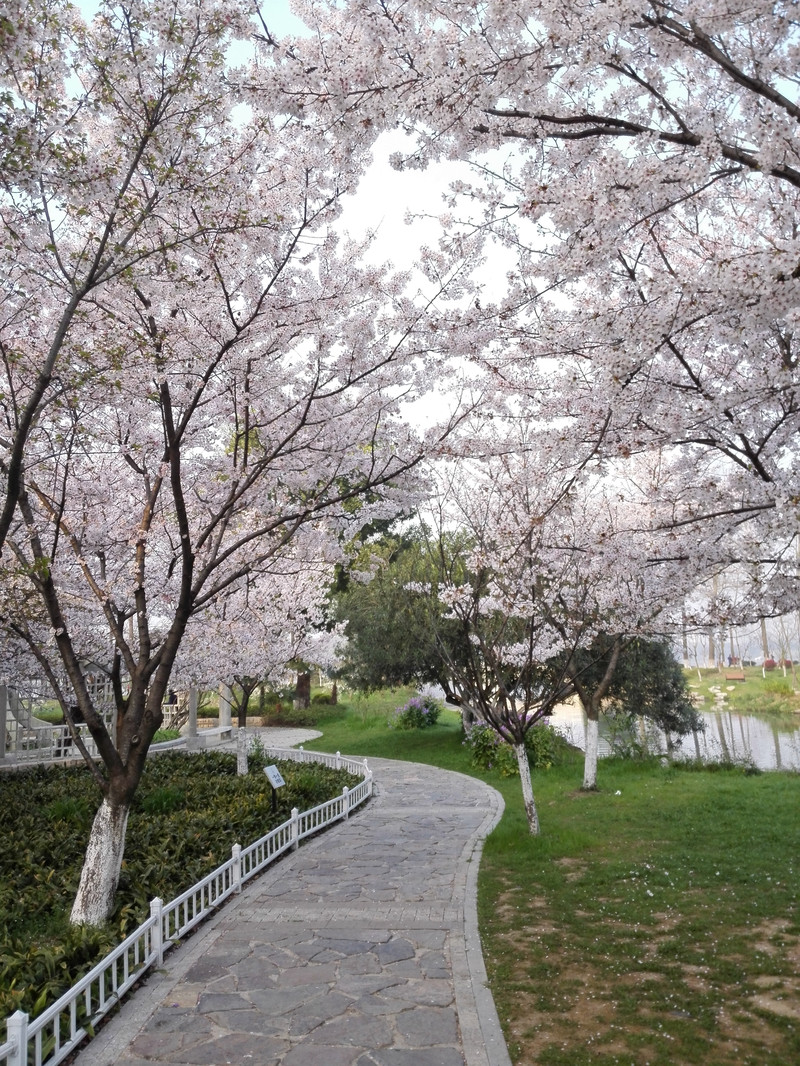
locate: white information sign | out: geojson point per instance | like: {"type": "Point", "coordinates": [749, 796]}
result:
{"type": "Point", "coordinates": [274, 776]}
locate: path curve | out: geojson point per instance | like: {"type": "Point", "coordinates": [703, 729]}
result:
{"type": "Point", "coordinates": [359, 949]}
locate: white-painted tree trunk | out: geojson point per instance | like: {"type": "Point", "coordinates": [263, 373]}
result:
{"type": "Point", "coordinates": [527, 788]}
{"type": "Point", "coordinates": [242, 741]}
{"type": "Point", "coordinates": [590, 756]}
{"type": "Point", "coordinates": [95, 897]}
{"type": "Point", "coordinates": [225, 701]}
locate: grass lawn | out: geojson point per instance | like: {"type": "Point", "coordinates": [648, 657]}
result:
{"type": "Point", "coordinates": [653, 922]}
{"type": "Point", "coordinates": [769, 693]}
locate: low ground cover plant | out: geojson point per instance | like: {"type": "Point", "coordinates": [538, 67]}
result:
{"type": "Point", "coordinates": [189, 811]}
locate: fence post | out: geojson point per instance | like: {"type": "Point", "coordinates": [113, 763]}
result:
{"type": "Point", "coordinates": [17, 1030]}
{"type": "Point", "coordinates": [346, 803]}
{"type": "Point", "coordinates": [338, 760]}
{"type": "Point", "coordinates": [157, 935]}
{"type": "Point", "coordinates": [295, 829]}
{"type": "Point", "coordinates": [236, 855]}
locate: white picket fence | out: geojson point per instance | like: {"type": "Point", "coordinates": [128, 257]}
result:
{"type": "Point", "coordinates": [57, 1031]}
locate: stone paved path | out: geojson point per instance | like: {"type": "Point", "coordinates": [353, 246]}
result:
{"type": "Point", "coordinates": [360, 949]}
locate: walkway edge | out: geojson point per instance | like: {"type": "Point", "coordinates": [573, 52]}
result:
{"type": "Point", "coordinates": [487, 1046]}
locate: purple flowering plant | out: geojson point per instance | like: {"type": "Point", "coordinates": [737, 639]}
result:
{"type": "Point", "coordinates": [417, 713]}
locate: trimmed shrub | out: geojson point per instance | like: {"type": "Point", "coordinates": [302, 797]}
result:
{"type": "Point", "coordinates": [491, 752]}
{"type": "Point", "coordinates": [418, 713]}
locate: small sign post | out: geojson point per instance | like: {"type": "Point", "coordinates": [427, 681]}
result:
{"type": "Point", "coordinates": [276, 781]}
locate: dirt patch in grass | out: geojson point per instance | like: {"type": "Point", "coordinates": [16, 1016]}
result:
{"type": "Point", "coordinates": [574, 868]}
{"type": "Point", "coordinates": [778, 994]}
{"type": "Point", "coordinates": [769, 932]}
{"type": "Point", "coordinates": [783, 1000]}
{"type": "Point", "coordinates": [667, 921]}
{"type": "Point", "coordinates": [582, 1015]}
{"type": "Point", "coordinates": [567, 1010]}
{"type": "Point", "coordinates": [746, 1037]}
{"type": "Point", "coordinates": [696, 978]}
{"type": "Point", "coordinates": [639, 978]}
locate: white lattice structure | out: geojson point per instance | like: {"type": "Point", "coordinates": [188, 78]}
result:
{"type": "Point", "coordinates": [24, 738]}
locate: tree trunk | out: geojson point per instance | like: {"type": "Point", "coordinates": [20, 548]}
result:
{"type": "Point", "coordinates": [469, 717]}
{"type": "Point", "coordinates": [225, 704]}
{"type": "Point", "coordinates": [670, 743]}
{"type": "Point", "coordinates": [334, 694]}
{"type": "Point", "coordinates": [247, 686]}
{"type": "Point", "coordinates": [94, 901]}
{"type": "Point", "coordinates": [302, 696]}
{"type": "Point", "coordinates": [590, 755]}
{"type": "Point", "coordinates": [527, 788]}
{"type": "Point", "coordinates": [592, 701]}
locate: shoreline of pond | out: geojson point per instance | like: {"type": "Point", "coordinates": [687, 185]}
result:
{"type": "Point", "coordinates": [768, 742]}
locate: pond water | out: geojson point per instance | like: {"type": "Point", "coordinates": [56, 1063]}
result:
{"type": "Point", "coordinates": [769, 742]}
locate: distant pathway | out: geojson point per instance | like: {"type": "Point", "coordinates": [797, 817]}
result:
{"type": "Point", "coordinates": [359, 949]}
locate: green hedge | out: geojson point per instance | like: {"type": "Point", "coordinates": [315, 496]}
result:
{"type": "Point", "coordinates": [188, 812]}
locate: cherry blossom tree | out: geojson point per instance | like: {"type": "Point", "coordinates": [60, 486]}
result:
{"type": "Point", "coordinates": [549, 564]}
{"type": "Point", "coordinates": [641, 161]}
{"type": "Point", "coordinates": [197, 371]}
{"type": "Point", "coordinates": [121, 146]}
{"type": "Point", "coordinates": [249, 635]}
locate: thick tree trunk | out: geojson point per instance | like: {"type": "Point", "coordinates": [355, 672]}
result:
{"type": "Point", "coordinates": [247, 686]}
{"type": "Point", "coordinates": [302, 696]}
{"type": "Point", "coordinates": [94, 901]}
{"type": "Point", "coordinates": [527, 788]}
{"type": "Point", "coordinates": [590, 755]}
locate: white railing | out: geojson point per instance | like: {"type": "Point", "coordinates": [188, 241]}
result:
{"type": "Point", "coordinates": [24, 738]}
{"type": "Point", "coordinates": [57, 1031]}
{"type": "Point", "coordinates": [40, 742]}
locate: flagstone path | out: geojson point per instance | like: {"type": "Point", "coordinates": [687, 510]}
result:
{"type": "Point", "coordinates": [359, 949]}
